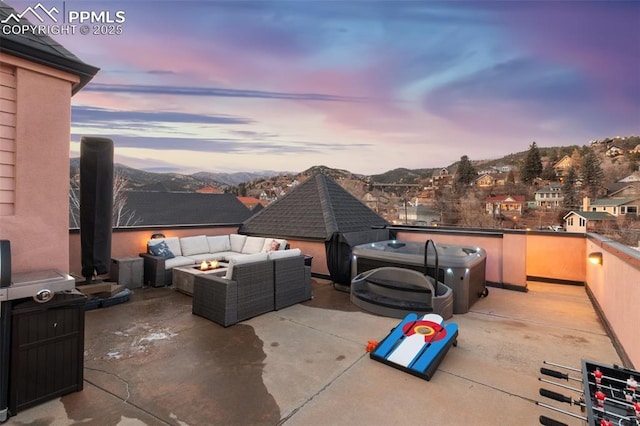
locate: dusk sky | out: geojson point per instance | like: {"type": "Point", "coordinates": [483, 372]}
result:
{"type": "Point", "coordinates": [360, 85]}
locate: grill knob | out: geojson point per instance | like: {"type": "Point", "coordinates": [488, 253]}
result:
{"type": "Point", "coordinates": [43, 296]}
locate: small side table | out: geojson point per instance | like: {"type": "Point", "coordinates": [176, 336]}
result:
{"type": "Point", "coordinates": [307, 260]}
{"type": "Point", "coordinates": [127, 271]}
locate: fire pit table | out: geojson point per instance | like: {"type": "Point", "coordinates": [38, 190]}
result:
{"type": "Point", "coordinates": [184, 276]}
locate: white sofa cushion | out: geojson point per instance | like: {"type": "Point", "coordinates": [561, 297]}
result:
{"type": "Point", "coordinates": [237, 242]}
{"type": "Point", "coordinates": [281, 254]}
{"type": "Point", "coordinates": [219, 243]}
{"type": "Point", "coordinates": [178, 261]}
{"type": "Point", "coordinates": [172, 242]}
{"type": "Point", "coordinates": [249, 258]}
{"type": "Point", "coordinates": [194, 245]}
{"type": "Point", "coordinates": [253, 245]}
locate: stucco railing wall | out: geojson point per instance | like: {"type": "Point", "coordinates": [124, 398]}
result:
{"type": "Point", "coordinates": [506, 257]}
{"type": "Point", "coordinates": [614, 287]}
{"type": "Point", "coordinates": [556, 257]}
{"type": "Point", "coordinates": [132, 242]}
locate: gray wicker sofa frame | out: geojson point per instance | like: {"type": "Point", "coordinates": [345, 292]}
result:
{"type": "Point", "coordinates": [253, 289]}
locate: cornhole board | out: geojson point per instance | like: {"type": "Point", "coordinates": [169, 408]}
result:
{"type": "Point", "coordinates": [417, 345]}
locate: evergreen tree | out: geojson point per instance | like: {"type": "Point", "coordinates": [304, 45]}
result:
{"type": "Point", "coordinates": [532, 164]}
{"type": "Point", "coordinates": [511, 178]}
{"type": "Point", "coordinates": [549, 173]}
{"type": "Point", "coordinates": [592, 174]}
{"type": "Point", "coordinates": [465, 174]}
{"type": "Point", "coordinates": [569, 190]}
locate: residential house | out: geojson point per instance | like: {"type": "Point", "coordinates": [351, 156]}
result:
{"type": "Point", "coordinates": [623, 189]}
{"type": "Point", "coordinates": [549, 197]}
{"type": "Point", "coordinates": [486, 180]}
{"type": "Point", "coordinates": [635, 150]}
{"type": "Point", "coordinates": [491, 180]}
{"type": "Point", "coordinates": [209, 190]}
{"type": "Point", "coordinates": [613, 206]}
{"type": "Point", "coordinates": [418, 215]}
{"type": "Point", "coordinates": [562, 166]}
{"type": "Point", "coordinates": [507, 205]}
{"type": "Point", "coordinates": [442, 178]}
{"type": "Point", "coordinates": [587, 221]}
{"type": "Point", "coordinates": [633, 177]}
{"type": "Point", "coordinates": [614, 151]}
{"type": "Point", "coordinates": [251, 202]}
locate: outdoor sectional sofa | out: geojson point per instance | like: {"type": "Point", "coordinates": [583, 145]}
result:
{"type": "Point", "coordinates": [253, 285]}
{"type": "Point", "coordinates": [164, 254]}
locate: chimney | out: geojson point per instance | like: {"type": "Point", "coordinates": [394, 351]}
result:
{"type": "Point", "coordinates": [585, 204]}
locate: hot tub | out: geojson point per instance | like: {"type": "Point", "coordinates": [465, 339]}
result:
{"type": "Point", "coordinates": [460, 268]}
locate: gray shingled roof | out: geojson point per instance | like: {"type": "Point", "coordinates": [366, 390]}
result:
{"type": "Point", "coordinates": [592, 215]}
{"type": "Point", "coordinates": [315, 209]}
{"type": "Point", "coordinates": [42, 49]}
{"type": "Point", "coordinates": [184, 208]}
{"type": "Point", "coordinates": [613, 201]}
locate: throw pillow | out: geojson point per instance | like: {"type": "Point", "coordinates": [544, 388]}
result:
{"type": "Point", "coordinates": [161, 249]}
{"type": "Point", "coordinates": [274, 245]}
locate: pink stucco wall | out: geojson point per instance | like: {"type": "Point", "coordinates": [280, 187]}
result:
{"type": "Point", "coordinates": [556, 256]}
{"type": "Point", "coordinates": [615, 285]}
{"type": "Point", "coordinates": [132, 243]}
{"type": "Point", "coordinates": [492, 245]}
{"type": "Point", "coordinates": [39, 228]}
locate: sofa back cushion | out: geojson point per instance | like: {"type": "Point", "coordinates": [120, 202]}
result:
{"type": "Point", "coordinates": [237, 242]}
{"type": "Point", "coordinates": [281, 254]}
{"type": "Point", "coordinates": [249, 258]}
{"type": "Point", "coordinates": [172, 242]}
{"type": "Point", "coordinates": [253, 245]}
{"type": "Point", "coordinates": [194, 245]}
{"type": "Point", "coordinates": [219, 243]}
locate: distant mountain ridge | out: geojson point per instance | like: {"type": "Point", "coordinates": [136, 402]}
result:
{"type": "Point", "coordinates": [153, 181]}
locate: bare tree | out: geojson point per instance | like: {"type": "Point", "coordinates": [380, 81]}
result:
{"type": "Point", "coordinates": [121, 216]}
{"type": "Point", "coordinates": [472, 212]}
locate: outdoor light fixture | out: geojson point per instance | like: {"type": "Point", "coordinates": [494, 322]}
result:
{"type": "Point", "coordinates": [595, 258]}
{"type": "Point", "coordinates": [157, 236]}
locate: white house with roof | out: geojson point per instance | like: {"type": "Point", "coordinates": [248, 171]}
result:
{"type": "Point", "coordinates": [550, 196]}
{"type": "Point", "coordinates": [581, 221]}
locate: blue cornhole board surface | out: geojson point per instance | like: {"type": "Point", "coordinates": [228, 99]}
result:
{"type": "Point", "coordinates": [417, 345]}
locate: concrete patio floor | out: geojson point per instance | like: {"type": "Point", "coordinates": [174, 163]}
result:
{"type": "Point", "coordinates": [150, 361]}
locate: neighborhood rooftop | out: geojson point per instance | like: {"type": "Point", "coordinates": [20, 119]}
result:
{"type": "Point", "coordinates": [315, 209]}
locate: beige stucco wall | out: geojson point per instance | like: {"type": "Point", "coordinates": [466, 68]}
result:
{"type": "Point", "coordinates": [615, 285]}
{"type": "Point", "coordinates": [556, 256]}
{"type": "Point", "coordinates": [38, 229]}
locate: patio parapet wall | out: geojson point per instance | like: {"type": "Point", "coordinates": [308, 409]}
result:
{"type": "Point", "coordinates": [513, 258]}
{"type": "Point", "coordinates": [614, 289]}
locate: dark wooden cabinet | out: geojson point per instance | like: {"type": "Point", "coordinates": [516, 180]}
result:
{"type": "Point", "coordinates": [47, 350]}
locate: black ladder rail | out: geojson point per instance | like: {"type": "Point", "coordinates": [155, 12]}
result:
{"type": "Point", "coordinates": [426, 273]}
